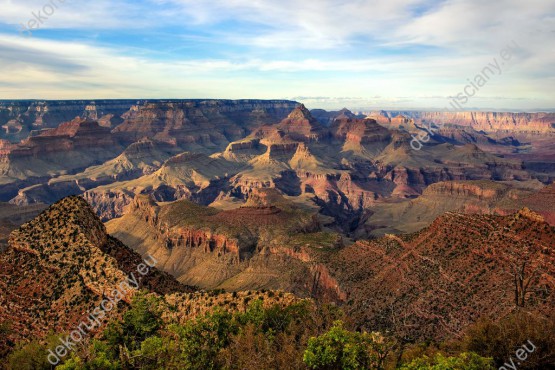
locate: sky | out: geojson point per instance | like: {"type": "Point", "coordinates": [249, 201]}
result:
{"type": "Point", "coordinates": [359, 54]}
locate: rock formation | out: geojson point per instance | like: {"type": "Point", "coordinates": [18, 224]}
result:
{"type": "Point", "coordinates": [69, 264]}
{"type": "Point", "coordinates": [256, 246]}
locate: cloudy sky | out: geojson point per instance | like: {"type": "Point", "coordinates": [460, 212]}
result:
{"type": "Point", "coordinates": [361, 54]}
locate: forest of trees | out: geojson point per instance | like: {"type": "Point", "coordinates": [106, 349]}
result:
{"type": "Point", "coordinates": [298, 336]}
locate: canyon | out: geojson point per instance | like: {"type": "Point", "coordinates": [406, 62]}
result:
{"type": "Point", "coordinates": [271, 197]}
{"type": "Point", "coordinates": [434, 283]}
{"type": "Point", "coordinates": [354, 168]}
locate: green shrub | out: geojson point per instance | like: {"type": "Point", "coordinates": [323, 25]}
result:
{"type": "Point", "coordinates": [343, 349]}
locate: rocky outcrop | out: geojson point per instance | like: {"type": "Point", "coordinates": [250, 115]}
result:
{"type": "Point", "coordinates": [325, 287]}
{"type": "Point", "coordinates": [301, 126]}
{"type": "Point", "coordinates": [208, 242]}
{"type": "Point", "coordinates": [244, 150]}
{"type": "Point", "coordinates": [278, 151]}
{"type": "Point", "coordinates": [400, 120]}
{"type": "Point", "coordinates": [358, 197]}
{"type": "Point", "coordinates": [358, 131]}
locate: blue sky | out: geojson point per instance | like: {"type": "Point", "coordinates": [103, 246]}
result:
{"type": "Point", "coordinates": [388, 54]}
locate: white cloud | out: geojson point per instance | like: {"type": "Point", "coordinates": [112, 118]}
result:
{"type": "Point", "coordinates": [316, 47]}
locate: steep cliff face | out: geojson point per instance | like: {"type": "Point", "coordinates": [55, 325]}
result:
{"type": "Point", "coordinates": [74, 135]}
{"type": "Point", "coordinates": [244, 150]}
{"type": "Point", "coordinates": [482, 190]}
{"type": "Point", "coordinates": [186, 237]}
{"type": "Point", "coordinates": [325, 286]}
{"type": "Point", "coordinates": [361, 136]}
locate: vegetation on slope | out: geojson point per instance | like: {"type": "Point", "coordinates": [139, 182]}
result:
{"type": "Point", "coordinates": [299, 335]}
{"type": "Point", "coordinates": [415, 290]}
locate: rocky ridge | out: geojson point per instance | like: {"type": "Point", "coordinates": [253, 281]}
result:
{"type": "Point", "coordinates": [437, 282]}
{"type": "Point", "coordinates": [69, 264]}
